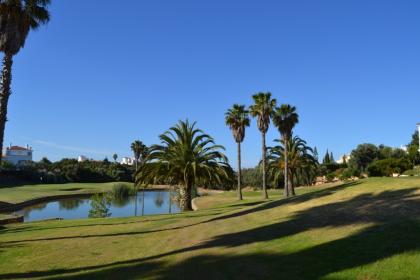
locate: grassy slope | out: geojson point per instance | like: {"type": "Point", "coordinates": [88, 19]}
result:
{"type": "Point", "coordinates": [369, 230]}
{"type": "Point", "coordinates": [27, 192]}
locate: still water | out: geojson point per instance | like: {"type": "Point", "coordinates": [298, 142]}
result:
{"type": "Point", "coordinates": [155, 202]}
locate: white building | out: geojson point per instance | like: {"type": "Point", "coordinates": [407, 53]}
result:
{"type": "Point", "coordinates": [343, 158]}
{"type": "Point", "coordinates": [82, 158]}
{"type": "Point", "coordinates": [418, 127]}
{"type": "Point", "coordinates": [127, 160]}
{"type": "Point", "coordinates": [18, 155]}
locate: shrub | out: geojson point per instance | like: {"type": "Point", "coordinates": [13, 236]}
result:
{"type": "Point", "coordinates": [121, 190]}
{"type": "Point", "coordinates": [100, 205]}
{"type": "Point", "coordinates": [387, 167]}
{"type": "Point", "coordinates": [330, 177]}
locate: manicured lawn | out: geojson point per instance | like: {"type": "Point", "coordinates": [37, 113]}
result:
{"type": "Point", "coordinates": [27, 192]}
{"type": "Point", "coordinates": [364, 230]}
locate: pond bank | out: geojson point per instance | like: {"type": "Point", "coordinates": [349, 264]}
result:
{"type": "Point", "coordinates": [11, 207]}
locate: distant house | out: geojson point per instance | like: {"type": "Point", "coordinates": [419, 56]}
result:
{"type": "Point", "coordinates": [82, 158]}
{"type": "Point", "coordinates": [127, 161]}
{"type": "Point", "coordinates": [343, 159]}
{"type": "Point", "coordinates": [418, 127]}
{"type": "Point", "coordinates": [18, 155]}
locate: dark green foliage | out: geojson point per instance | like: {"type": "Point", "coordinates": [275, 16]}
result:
{"type": "Point", "coordinates": [413, 148]}
{"type": "Point", "coordinates": [363, 155]}
{"type": "Point", "coordinates": [330, 177]}
{"type": "Point", "coordinates": [389, 166]}
{"type": "Point", "coordinates": [327, 168]}
{"type": "Point", "coordinates": [100, 205]}
{"type": "Point", "coordinates": [251, 177]}
{"type": "Point", "coordinates": [332, 160]}
{"type": "Point", "coordinates": [316, 155]}
{"type": "Point", "coordinates": [69, 170]}
{"type": "Point", "coordinates": [326, 159]}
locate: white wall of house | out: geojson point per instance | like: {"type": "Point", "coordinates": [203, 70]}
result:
{"type": "Point", "coordinates": [127, 161]}
{"type": "Point", "coordinates": [18, 155]}
{"type": "Point", "coordinates": [418, 127]}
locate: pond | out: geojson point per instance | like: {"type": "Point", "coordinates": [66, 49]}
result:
{"type": "Point", "coordinates": [155, 202]}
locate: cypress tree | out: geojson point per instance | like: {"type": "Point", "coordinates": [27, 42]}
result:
{"type": "Point", "coordinates": [327, 158]}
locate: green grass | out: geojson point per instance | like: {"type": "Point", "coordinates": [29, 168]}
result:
{"type": "Point", "coordinates": [27, 192]}
{"type": "Point", "coordinates": [364, 230]}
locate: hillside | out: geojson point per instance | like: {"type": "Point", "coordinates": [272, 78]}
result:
{"type": "Point", "coordinates": [363, 230]}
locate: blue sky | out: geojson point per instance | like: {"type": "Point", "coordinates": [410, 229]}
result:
{"type": "Point", "coordinates": [103, 74]}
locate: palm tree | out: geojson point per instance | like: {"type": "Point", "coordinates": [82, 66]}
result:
{"type": "Point", "coordinates": [302, 164]}
{"type": "Point", "coordinates": [140, 152]}
{"type": "Point", "coordinates": [186, 157]}
{"type": "Point", "coordinates": [285, 119]}
{"type": "Point", "coordinates": [17, 18]}
{"type": "Point", "coordinates": [262, 109]}
{"type": "Point", "coordinates": [237, 119]}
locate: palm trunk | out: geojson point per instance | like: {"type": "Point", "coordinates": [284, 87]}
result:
{"type": "Point", "coordinates": [142, 204]}
{"type": "Point", "coordinates": [135, 201]}
{"type": "Point", "coordinates": [6, 80]}
{"type": "Point", "coordinates": [170, 199]}
{"type": "Point", "coordinates": [286, 169]}
{"type": "Point", "coordinates": [239, 172]}
{"type": "Point", "coordinates": [185, 198]}
{"type": "Point", "coordinates": [264, 157]}
{"type": "Point", "coordinates": [291, 189]}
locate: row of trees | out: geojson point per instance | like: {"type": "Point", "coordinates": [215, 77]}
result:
{"type": "Point", "coordinates": [287, 159]}
{"type": "Point", "coordinates": [65, 171]}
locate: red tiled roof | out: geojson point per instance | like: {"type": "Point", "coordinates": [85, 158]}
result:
{"type": "Point", "coordinates": [17, 148]}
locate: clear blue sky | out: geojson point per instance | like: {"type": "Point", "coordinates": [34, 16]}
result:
{"type": "Point", "coordinates": [104, 73]}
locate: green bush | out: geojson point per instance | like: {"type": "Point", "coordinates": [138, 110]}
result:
{"type": "Point", "coordinates": [100, 205]}
{"type": "Point", "coordinates": [330, 177]}
{"type": "Point", "coordinates": [387, 167]}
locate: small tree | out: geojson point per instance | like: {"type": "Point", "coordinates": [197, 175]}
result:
{"type": "Point", "coordinates": [100, 205]}
{"type": "Point", "coordinates": [332, 160]}
{"type": "Point", "coordinates": [316, 156]}
{"type": "Point", "coordinates": [326, 159]}
{"type": "Point", "coordinates": [115, 156]}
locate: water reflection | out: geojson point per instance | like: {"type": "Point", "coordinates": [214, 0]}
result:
{"type": "Point", "coordinates": [69, 204]}
{"type": "Point", "coordinates": [144, 203]}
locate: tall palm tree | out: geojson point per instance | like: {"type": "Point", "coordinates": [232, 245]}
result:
{"type": "Point", "coordinates": [139, 151]}
{"type": "Point", "coordinates": [301, 161]}
{"type": "Point", "coordinates": [186, 157]}
{"type": "Point", "coordinates": [237, 118]}
{"type": "Point", "coordinates": [262, 109]}
{"type": "Point", "coordinates": [285, 119]}
{"type": "Point", "coordinates": [17, 18]}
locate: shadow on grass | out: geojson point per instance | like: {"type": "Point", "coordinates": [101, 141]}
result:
{"type": "Point", "coordinates": [393, 232]}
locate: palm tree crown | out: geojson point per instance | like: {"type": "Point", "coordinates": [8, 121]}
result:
{"type": "Point", "coordinates": [262, 109]}
{"type": "Point", "coordinates": [285, 119]}
{"type": "Point", "coordinates": [186, 157]}
{"type": "Point", "coordinates": [17, 18]}
{"type": "Point", "coordinates": [300, 158]}
{"type": "Point", "coordinates": [139, 150]}
{"type": "Point", "coordinates": [237, 119]}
